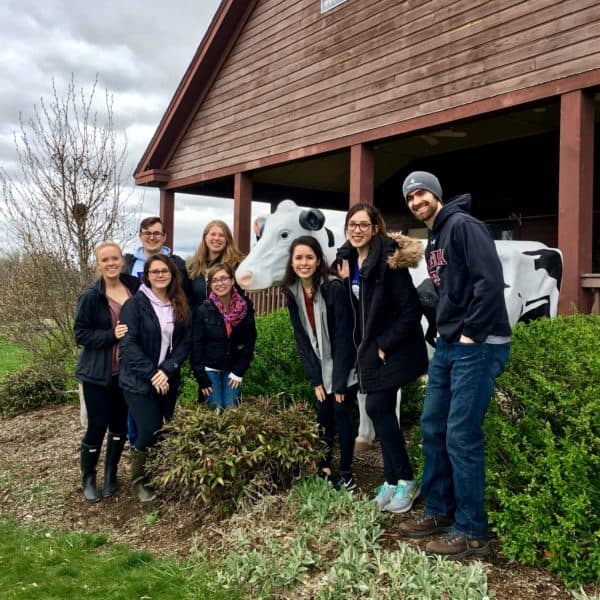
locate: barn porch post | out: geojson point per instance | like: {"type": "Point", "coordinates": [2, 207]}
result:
{"type": "Point", "coordinates": [242, 210]}
{"type": "Point", "coordinates": [167, 214]}
{"type": "Point", "coordinates": [362, 176]}
{"type": "Point", "coordinates": [575, 196]}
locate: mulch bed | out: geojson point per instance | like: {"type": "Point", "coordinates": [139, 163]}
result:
{"type": "Point", "coordinates": [39, 483]}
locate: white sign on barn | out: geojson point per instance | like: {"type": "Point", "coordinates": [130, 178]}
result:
{"type": "Point", "coordinates": [329, 4]}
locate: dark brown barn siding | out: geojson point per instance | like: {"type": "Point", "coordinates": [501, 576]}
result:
{"type": "Point", "coordinates": [297, 78]}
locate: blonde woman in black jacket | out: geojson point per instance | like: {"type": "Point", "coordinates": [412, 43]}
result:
{"type": "Point", "coordinates": [321, 316]}
{"type": "Point", "coordinates": [98, 330]}
{"type": "Point", "coordinates": [387, 335]}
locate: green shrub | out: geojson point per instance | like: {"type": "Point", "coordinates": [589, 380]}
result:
{"type": "Point", "coordinates": [276, 367]}
{"type": "Point", "coordinates": [543, 444]}
{"type": "Point", "coordinates": [213, 458]}
{"type": "Point", "coordinates": [31, 387]}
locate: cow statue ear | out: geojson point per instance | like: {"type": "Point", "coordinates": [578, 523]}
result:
{"type": "Point", "coordinates": [312, 219]}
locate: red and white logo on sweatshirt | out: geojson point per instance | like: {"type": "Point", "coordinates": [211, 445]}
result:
{"type": "Point", "coordinates": [435, 261]}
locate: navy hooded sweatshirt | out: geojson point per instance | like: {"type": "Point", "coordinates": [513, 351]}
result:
{"type": "Point", "coordinates": [464, 266]}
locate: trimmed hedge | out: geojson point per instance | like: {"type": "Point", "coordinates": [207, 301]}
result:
{"type": "Point", "coordinates": [31, 387]}
{"type": "Point", "coordinates": [276, 368]}
{"type": "Point", "coordinates": [543, 448]}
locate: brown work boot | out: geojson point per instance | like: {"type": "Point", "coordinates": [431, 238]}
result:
{"type": "Point", "coordinates": [457, 545]}
{"type": "Point", "coordinates": [425, 525]}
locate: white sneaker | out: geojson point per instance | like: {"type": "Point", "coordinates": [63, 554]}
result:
{"type": "Point", "coordinates": [385, 492]}
{"type": "Point", "coordinates": [404, 496]}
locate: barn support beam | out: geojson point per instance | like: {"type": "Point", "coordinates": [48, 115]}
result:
{"type": "Point", "coordinates": [242, 210]}
{"type": "Point", "coordinates": [362, 175]}
{"type": "Point", "coordinates": [167, 214]}
{"type": "Point", "coordinates": [575, 197]}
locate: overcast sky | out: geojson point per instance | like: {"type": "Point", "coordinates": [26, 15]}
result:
{"type": "Point", "coordinates": [139, 50]}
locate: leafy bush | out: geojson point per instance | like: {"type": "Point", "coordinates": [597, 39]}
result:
{"type": "Point", "coordinates": [276, 367]}
{"type": "Point", "coordinates": [29, 388]}
{"type": "Point", "coordinates": [544, 448]}
{"type": "Point", "coordinates": [214, 458]}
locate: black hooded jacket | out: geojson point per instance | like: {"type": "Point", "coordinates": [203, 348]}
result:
{"type": "Point", "coordinates": [140, 348]}
{"type": "Point", "coordinates": [463, 264]}
{"type": "Point", "coordinates": [388, 314]}
{"type": "Point", "coordinates": [94, 331]}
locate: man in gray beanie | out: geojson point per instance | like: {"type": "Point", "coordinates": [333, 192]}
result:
{"type": "Point", "coordinates": [472, 347]}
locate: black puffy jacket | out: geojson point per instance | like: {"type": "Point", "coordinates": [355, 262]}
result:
{"type": "Point", "coordinates": [140, 348]}
{"type": "Point", "coordinates": [94, 331]}
{"type": "Point", "coordinates": [388, 314]}
{"type": "Point", "coordinates": [212, 348]}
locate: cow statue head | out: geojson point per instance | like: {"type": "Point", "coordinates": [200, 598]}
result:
{"type": "Point", "coordinates": [265, 265]}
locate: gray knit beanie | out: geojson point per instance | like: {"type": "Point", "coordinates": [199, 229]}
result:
{"type": "Point", "coordinates": [422, 180]}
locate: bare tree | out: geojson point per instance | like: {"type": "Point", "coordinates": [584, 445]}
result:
{"type": "Point", "coordinates": [66, 197]}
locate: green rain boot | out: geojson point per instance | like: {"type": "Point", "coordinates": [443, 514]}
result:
{"type": "Point", "coordinates": [138, 477]}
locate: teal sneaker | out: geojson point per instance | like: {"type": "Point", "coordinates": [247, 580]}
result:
{"type": "Point", "coordinates": [406, 493]}
{"type": "Point", "coordinates": [385, 492]}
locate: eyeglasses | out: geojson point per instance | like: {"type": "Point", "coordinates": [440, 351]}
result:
{"type": "Point", "coordinates": [362, 226]}
{"type": "Point", "coordinates": [157, 272]}
{"type": "Point", "coordinates": [152, 234]}
{"type": "Point", "coordinates": [220, 280]}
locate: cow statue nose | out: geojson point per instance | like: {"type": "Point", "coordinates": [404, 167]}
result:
{"type": "Point", "coordinates": [244, 279]}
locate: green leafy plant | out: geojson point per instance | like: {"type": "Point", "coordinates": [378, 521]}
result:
{"type": "Point", "coordinates": [317, 542]}
{"type": "Point", "coordinates": [31, 387]}
{"type": "Point", "coordinates": [215, 458]}
{"type": "Point", "coordinates": [543, 444]}
{"type": "Point", "coordinates": [276, 367]}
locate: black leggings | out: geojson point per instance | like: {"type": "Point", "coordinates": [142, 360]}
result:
{"type": "Point", "coordinates": [106, 408]}
{"type": "Point", "coordinates": [381, 407]}
{"type": "Point", "coordinates": [331, 413]}
{"type": "Point", "coordinates": [150, 412]}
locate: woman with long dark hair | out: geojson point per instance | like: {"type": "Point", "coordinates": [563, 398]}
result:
{"type": "Point", "coordinates": [387, 335]}
{"type": "Point", "coordinates": [223, 339]}
{"type": "Point", "coordinates": [152, 352]}
{"type": "Point", "coordinates": [98, 330]}
{"type": "Point", "coordinates": [321, 316]}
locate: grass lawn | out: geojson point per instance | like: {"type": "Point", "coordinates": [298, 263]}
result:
{"type": "Point", "coordinates": [12, 357]}
{"type": "Point", "coordinates": [38, 563]}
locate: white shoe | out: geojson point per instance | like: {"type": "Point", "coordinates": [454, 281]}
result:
{"type": "Point", "coordinates": [385, 492]}
{"type": "Point", "coordinates": [404, 497]}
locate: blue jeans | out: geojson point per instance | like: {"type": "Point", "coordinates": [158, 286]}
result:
{"type": "Point", "coordinates": [459, 390]}
{"type": "Point", "coordinates": [223, 396]}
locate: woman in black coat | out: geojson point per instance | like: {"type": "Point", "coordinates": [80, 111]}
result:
{"type": "Point", "coordinates": [321, 316]}
{"type": "Point", "coordinates": [152, 353]}
{"type": "Point", "coordinates": [387, 335]}
{"type": "Point", "coordinates": [97, 329]}
{"type": "Point", "coordinates": [223, 340]}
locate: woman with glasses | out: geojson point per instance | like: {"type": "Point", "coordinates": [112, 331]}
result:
{"type": "Point", "coordinates": [223, 339]}
{"type": "Point", "coordinates": [387, 335]}
{"type": "Point", "coordinates": [98, 330]}
{"type": "Point", "coordinates": [216, 246]}
{"type": "Point", "coordinates": [321, 316]}
{"type": "Point", "coordinates": [152, 352]}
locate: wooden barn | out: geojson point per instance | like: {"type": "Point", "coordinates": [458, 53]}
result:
{"type": "Point", "coordinates": [332, 102]}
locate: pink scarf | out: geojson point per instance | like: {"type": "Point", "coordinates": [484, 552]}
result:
{"type": "Point", "coordinates": [234, 312]}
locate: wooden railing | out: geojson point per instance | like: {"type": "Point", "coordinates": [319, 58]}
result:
{"type": "Point", "coordinates": [266, 301]}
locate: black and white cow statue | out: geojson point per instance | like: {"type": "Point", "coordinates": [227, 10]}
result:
{"type": "Point", "coordinates": [532, 273]}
